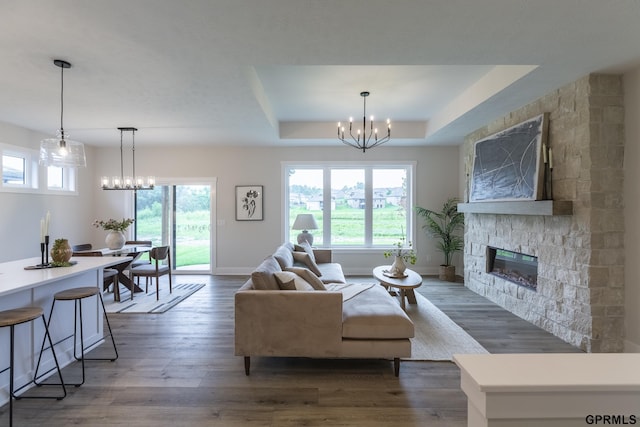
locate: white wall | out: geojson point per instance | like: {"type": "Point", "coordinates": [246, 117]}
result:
{"type": "Point", "coordinates": [632, 210]}
{"type": "Point", "coordinates": [20, 213]}
{"type": "Point", "coordinates": [243, 244]}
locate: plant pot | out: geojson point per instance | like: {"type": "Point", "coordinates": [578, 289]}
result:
{"type": "Point", "coordinates": [115, 239]}
{"type": "Point", "coordinates": [448, 273]}
{"type": "Point", "coordinates": [61, 251]}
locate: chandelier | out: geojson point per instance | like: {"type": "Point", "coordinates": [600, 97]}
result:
{"type": "Point", "coordinates": [60, 151]}
{"type": "Point", "coordinates": [363, 140]}
{"type": "Point", "coordinates": [132, 182]}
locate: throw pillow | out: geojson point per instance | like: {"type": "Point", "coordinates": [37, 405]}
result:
{"type": "Point", "coordinates": [263, 278]}
{"type": "Point", "coordinates": [285, 281]}
{"type": "Point", "coordinates": [291, 281]}
{"type": "Point", "coordinates": [309, 276]}
{"type": "Point", "coordinates": [306, 247]}
{"type": "Point", "coordinates": [304, 258]}
{"type": "Point", "coordinates": [283, 256]}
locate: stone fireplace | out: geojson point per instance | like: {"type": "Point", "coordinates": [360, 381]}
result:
{"type": "Point", "coordinates": [579, 291]}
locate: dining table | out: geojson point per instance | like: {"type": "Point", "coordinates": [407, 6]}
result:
{"type": "Point", "coordinates": [129, 253]}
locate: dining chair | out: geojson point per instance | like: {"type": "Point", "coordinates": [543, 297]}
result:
{"type": "Point", "coordinates": [158, 255]}
{"type": "Point", "coordinates": [138, 260]}
{"type": "Point", "coordinates": [110, 275]}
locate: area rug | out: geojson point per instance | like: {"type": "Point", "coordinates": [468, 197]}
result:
{"type": "Point", "coordinates": [437, 337]}
{"type": "Point", "coordinates": [147, 303]}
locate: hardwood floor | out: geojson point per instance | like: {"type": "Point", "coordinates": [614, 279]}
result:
{"type": "Point", "coordinates": [178, 369]}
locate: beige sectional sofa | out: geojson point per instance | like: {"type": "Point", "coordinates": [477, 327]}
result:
{"type": "Point", "coordinates": [331, 319]}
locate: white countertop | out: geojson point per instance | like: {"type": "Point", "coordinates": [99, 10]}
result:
{"type": "Point", "coordinates": [14, 278]}
{"type": "Point", "coordinates": [552, 371]}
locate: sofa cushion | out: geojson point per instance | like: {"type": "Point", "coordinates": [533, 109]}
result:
{"type": "Point", "coordinates": [305, 259]}
{"type": "Point", "coordinates": [285, 281]}
{"type": "Point", "coordinates": [290, 281]}
{"type": "Point", "coordinates": [331, 272]}
{"type": "Point", "coordinates": [309, 276]}
{"type": "Point", "coordinates": [374, 314]}
{"type": "Point", "coordinates": [284, 256]}
{"type": "Point", "coordinates": [305, 247]}
{"type": "Point", "coordinates": [262, 276]}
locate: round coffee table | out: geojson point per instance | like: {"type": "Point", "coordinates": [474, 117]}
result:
{"type": "Point", "coordinates": [405, 285]}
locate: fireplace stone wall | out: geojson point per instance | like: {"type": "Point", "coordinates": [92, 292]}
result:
{"type": "Point", "coordinates": [580, 293]}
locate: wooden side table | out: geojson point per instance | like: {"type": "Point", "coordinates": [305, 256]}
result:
{"type": "Point", "coordinates": [405, 285]}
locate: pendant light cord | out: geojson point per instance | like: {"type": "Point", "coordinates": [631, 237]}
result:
{"type": "Point", "coordinates": [61, 101]}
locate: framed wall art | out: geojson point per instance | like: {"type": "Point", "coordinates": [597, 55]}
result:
{"type": "Point", "coordinates": [508, 165]}
{"type": "Point", "coordinates": [249, 202]}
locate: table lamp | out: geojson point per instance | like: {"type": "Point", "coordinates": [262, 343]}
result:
{"type": "Point", "coordinates": [305, 222]}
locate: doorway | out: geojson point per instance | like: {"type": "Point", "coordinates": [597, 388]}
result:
{"type": "Point", "coordinates": [179, 216]}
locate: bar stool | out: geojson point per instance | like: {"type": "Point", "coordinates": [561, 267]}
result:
{"type": "Point", "coordinates": [77, 295]}
{"type": "Point", "coordinates": [12, 318]}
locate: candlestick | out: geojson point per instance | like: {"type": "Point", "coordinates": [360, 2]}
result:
{"type": "Point", "coordinates": [46, 249]}
{"type": "Point", "coordinates": [42, 253]}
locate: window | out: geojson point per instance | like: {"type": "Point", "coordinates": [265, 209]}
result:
{"type": "Point", "coordinates": [19, 168]}
{"type": "Point", "coordinates": [61, 179]}
{"type": "Point", "coordinates": [358, 205]}
{"type": "Point", "coordinates": [13, 170]}
{"type": "Point", "coordinates": [21, 173]}
{"type": "Point", "coordinates": [54, 178]}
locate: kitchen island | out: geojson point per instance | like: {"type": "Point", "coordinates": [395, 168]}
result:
{"type": "Point", "coordinates": [20, 287]}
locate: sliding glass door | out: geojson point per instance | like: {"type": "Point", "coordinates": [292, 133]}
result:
{"type": "Point", "coordinates": [179, 216]}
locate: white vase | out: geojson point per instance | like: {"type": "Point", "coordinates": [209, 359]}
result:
{"type": "Point", "coordinates": [115, 239]}
{"type": "Point", "coordinates": [398, 267]}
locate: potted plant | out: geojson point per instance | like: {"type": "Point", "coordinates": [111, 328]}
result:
{"type": "Point", "coordinates": [115, 238]}
{"type": "Point", "coordinates": [444, 225]}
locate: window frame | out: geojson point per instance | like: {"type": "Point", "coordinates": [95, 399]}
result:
{"type": "Point", "coordinates": [36, 176]}
{"type": "Point", "coordinates": [368, 166]}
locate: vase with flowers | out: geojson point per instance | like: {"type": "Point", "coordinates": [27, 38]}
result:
{"type": "Point", "coordinates": [115, 237]}
{"type": "Point", "coordinates": [402, 252]}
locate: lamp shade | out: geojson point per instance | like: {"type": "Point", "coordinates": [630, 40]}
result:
{"type": "Point", "coordinates": [62, 153]}
{"type": "Point", "coordinates": [59, 151]}
{"type": "Point", "coordinates": [305, 222]}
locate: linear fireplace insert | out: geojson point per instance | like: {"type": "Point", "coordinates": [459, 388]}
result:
{"type": "Point", "coordinates": [515, 267]}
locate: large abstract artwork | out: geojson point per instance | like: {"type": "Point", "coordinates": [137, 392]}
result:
{"type": "Point", "coordinates": [507, 165]}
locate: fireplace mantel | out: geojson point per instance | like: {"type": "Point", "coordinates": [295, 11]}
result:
{"type": "Point", "coordinates": [538, 207]}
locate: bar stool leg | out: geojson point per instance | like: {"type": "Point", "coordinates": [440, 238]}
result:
{"type": "Point", "coordinates": [77, 313]}
{"type": "Point", "coordinates": [113, 342]}
{"type": "Point", "coordinates": [78, 310]}
{"type": "Point", "coordinates": [12, 392]}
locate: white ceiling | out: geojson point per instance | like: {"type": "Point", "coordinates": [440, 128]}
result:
{"type": "Point", "coordinates": [284, 72]}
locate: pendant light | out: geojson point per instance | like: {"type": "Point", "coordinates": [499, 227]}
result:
{"type": "Point", "coordinates": [132, 182]}
{"type": "Point", "coordinates": [61, 151]}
